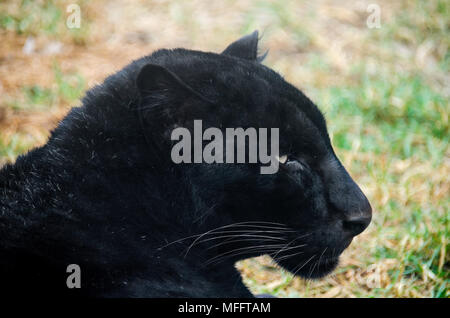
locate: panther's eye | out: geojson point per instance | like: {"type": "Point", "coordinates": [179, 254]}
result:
{"type": "Point", "coordinates": [283, 159]}
{"type": "Point", "coordinates": [290, 162]}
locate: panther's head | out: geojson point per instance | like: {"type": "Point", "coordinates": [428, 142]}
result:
{"type": "Point", "coordinates": [306, 213]}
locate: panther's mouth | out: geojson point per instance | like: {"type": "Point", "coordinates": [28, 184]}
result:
{"type": "Point", "coordinates": [312, 267]}
{"type": "Point", "coordinates": [315, 265]}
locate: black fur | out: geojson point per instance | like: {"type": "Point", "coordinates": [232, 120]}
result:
{"type": "Point", "coordinates": [103, 192]}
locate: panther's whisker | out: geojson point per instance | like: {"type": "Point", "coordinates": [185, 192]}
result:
{"type": "Point", "coordinates": [222, 227]}
{"type": "Point", "coordinates": [241, 235]}
{"type": "Point", "coordinates": [267, 227]}
{"type": "Point", "coordinates": [256, 232]}
{"type": "Point", "coordinates": [253, 233]}
{"type": "Point", "coordinates": [311, 268]}
{"type": "Point", "coordinates": [255, 247]}
{"type": "Point", "coordinates": [263, 251]}
{"type": "Point", "coordinates": [251, 249]}
{"type": "Point", "coordinates": [245, 231]}
{"type": "Point", "coordinates": [304, 264]}
{"type": "Point", "coordinates": [320, 257]}
{"type": "Point", "coordinates": [239, 224]}
{"type": "Point", "coordinates": [260, 222]}
{"type": "Point", "coordinates": [237, 241]}
{"type": "Point", "coordinates": [302, 236]}
{"type": "Point", "coordinates": [294, 247]}
{"type": "Point", "coordinates": [288, 256]}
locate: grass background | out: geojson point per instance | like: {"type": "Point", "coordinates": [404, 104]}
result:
{"type": "Point", "coordinates": [384, 92]}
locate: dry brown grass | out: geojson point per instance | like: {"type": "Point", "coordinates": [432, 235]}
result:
{"type": "Point", "coordinates": [317, 45]}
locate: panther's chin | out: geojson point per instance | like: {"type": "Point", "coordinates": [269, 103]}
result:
{"type": "Point", "coordinates": [311, 269]}
{"type": "Point", "coordinates": [319, 271]}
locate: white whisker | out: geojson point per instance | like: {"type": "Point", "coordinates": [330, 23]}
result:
{"type": "Point", "coordinates": [304, 264]}
{"type": "Point", "coordinates": [243, 250]}
{"type": "Point", "coordinates": [222, 227]}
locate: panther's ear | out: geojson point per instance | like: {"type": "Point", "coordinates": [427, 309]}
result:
{"type": "Point", "coordinates": [157, 79]}
{"type": "Point", "coordinates": [246, 48]}
{"type": "Point", "coordinates": [157, 86]}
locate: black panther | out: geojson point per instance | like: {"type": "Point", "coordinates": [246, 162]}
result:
{"type": "Point", "coordinates": [103, 192]}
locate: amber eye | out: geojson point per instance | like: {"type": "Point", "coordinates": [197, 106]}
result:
{"type": "Point", "coordinates": [283, 159]}
{"type": "Point", "coordinates": [290, 162]}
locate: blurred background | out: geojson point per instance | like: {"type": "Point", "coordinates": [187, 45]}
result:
{"type": "Point", "coordinates": [379, 70]}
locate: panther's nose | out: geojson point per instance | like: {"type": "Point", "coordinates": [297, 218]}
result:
{"type": "Point", "coordinates": [356, 224]}
{"type": "Point", "coordinates": [348, 200]}
{"type": "Point", "coordinates": [358, 218]}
